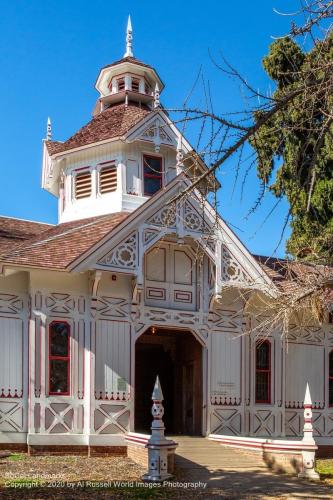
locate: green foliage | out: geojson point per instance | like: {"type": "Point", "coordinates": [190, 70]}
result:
{"type": "Point", "coordinates": [16, 457]}
{"type": "Point", "coordinates": [295, 147]}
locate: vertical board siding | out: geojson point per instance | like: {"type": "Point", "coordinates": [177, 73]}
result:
{"type": "Point", "coordinates": [226, 365]}
{"type": "Point", "coordinates": [112, 358]}
{"type": "Point", "coordinates": [11, 355]}
{"type": "Point", "coordinates": [304, 364]}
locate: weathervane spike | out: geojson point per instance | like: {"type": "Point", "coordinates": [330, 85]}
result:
{"type": "Point", "coordinates": [129, 38]}
{"type": "Point", "coordinates": [49, 130]}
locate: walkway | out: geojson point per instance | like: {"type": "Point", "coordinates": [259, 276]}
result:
{"type": "Point", "coordinates": [232, 473]}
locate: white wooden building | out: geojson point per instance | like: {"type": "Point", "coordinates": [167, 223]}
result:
{"type": "Point", "coordinates": [129, 285]}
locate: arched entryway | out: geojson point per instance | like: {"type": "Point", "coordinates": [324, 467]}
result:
{"type": "Point", "coordinates": [176, 357]}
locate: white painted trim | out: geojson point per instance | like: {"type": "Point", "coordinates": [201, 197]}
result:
{"type": "Point", "coordinates": [13, 437]}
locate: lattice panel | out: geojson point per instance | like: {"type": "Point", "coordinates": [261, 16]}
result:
{"type": "Point", "coordinates": [60, 303]}
{"type": "Point", "coordinates": [166, 316]}
{"type": "Point", "coordinates": [229, 321]}
{"type": "Point", "coordinates": [231, 270]}
{"type": "Point", "coordinates": [123, 255]}
{"type": "Point", "coordinates": [111, 418]}
{"type": "Point", "coordinates": [264, 423]}
{"type": "Point", "coordinates": [10, 304]}
{"type": "Point", "coordinates": [149, 235]}
{"type": "Point", "coordinates": [112, 307]}
{"type": "Point", "coordinates": [294, 423]}
{"type": "Point", "coordinates": [193, 220]}
{"type": "Point", "coordinates": [322, 423]}
{"type": "Point", "coordinates": [311, 334]}
{"type": "Point", "coordinates": [59, 418]}
{"type": "Point", "coordinates": [11, 416]}
{"type": "Point", "coordinates": [226, 421]}
{"type": "Point", "coordinates": [164, 217]}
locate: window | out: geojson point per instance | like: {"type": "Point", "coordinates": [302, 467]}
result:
{"type": "Point", "coordinates": [263, 372]}
{"type": "Point", "coordinates": [152, 173]}
{"type": "Point", "coordinates": [83, 185]}
{"type": "Point", "coordinates": [59, 358]}
{"type": "Point", "coordinates": [135, 84]}
{"type": "Point", "coordinates": [121, 84]}
{"type": "Point", "coordinates": [330, 378]}
{"type": "Point", "coordinates": [147, 88]}
{"type": "Point", "coordinates": [108, 179]}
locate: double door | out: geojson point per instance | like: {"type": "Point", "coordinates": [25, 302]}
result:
{"type": "Point", "coordinates": [170, 277]}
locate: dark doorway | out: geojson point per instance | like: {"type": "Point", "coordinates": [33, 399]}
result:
{"type": "Point", "coordinates": [176, 357]}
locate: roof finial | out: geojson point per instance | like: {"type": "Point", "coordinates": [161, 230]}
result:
{"type": "Point", "coordinates": [157, 96]}
{"type": "Point", "coordinates": [49, 130]}
{"type": "Point", "coordinates": [129, 38]}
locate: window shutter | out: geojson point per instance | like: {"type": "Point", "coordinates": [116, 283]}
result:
{"type": "Point", "coordinates": [108, 179]}
{"type": "Point", "coordinates": [83, 185]}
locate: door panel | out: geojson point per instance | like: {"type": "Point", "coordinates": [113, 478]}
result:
{"type": "Point", "coordinates": [170, 277]}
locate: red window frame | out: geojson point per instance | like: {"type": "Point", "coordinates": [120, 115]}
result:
{"type": "Point", "coordinates": [268, 371]}
{"type": "Point", "coordinates": [153, 175]}
{"type": "Point", "coordinates": [330, 379]}
{"type": "Point", "coordinates": [62, 358]}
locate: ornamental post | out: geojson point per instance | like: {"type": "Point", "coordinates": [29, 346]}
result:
{"type": "Point", "coordinates": [309, 450]}
{"type": "Point", "coordinates": [158, 446]}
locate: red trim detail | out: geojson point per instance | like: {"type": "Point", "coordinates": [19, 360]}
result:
{"type": "Point", "coordinates": [330, 379]}
{"type": "Point", "coordinates": [62, 358]}
{"type": "Point", "coordinates": [267, 371]}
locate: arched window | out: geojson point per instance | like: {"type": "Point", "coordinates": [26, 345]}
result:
{"type": "Point", "coordinates": [330, 378]}
{"type": "Point", "coordinates": [263, 372]}
{"type": "Point", "coordinates": [59, 358]}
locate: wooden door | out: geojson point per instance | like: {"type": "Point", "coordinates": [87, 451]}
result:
{"type": "Point", "coordinates": [170, 277]}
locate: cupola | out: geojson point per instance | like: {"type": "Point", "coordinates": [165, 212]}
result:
{"type": "Point", "coordinates": [128, 80]}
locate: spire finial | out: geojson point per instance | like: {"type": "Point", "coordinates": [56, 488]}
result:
{"type": "Point", "coordinates": [48, 130]}
{"type": "Point", "coordinates": [157, 96]}
{"type": "Point", "coordinates": [129, 38]}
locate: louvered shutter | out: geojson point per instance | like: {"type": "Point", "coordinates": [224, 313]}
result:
{"type": "Point", "coordinates": [83, 185]}
{"type": "Point", "coordinates": [108, 179]}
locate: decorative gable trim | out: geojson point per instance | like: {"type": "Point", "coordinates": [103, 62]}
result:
{"type": "Point", "coordinates": [124, 255]}
{"type": "Point", "coordinates": [156, 130]}
{"type": "Point", "coordinates": [234, 265]}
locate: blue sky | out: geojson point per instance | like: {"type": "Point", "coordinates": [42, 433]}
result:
{"type": "Point", "coordinates": [51, 53]}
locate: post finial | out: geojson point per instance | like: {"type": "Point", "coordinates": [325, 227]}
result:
{"type": "Point", "coordinates": [157, 392]}
{"type": "Point", "coordinates": [129, 39]}
{"type": "Point", "coordinates": [307, 397]}
{"type": "Point", "coordinates": [49, 130]}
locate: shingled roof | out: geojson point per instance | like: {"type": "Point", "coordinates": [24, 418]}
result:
{"type": "Point", "coordinates": [113, 122]}
{"type": "Point", "coordinates": [58, 246]}
{"type": "Point", "coordinates": [14, 232]}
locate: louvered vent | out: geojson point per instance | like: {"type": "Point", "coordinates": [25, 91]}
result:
{"type": "Point", "coordinates": [108, 179]}
{"type": "Point", "coordinates": [83, 185]}
{"type": "Point", "coordinates": [135, 84]}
